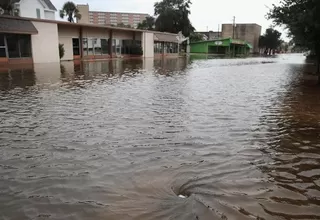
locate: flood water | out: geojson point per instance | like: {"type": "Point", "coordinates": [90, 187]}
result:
{"type": "Point", "coordinates": [165, 139]}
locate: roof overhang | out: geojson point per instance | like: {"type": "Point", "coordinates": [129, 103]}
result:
{"type": "Point", "coordinates": [17, 26]}
{"type": "Point", "coordinates": [161, 37]}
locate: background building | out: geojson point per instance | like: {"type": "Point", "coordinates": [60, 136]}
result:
{"type": "Point", "coordinates": [246, 32]}
{"type": "Point", "coordinates": [210, 35]}
{"type": "Point", "coordinates": [43, 9]}
{"type": "Point", "coordinates": [109, 18]}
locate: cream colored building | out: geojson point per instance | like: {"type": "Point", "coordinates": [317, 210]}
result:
{"type": "Point", "coordinates": [247, 32]}
{"type": "Point", "coordinates": [27, 40]}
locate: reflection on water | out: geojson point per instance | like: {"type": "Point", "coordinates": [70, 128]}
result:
{"type": "Point", "coordinates": [121, 139]}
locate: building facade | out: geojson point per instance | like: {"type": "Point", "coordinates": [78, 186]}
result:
{"type": "Point", "coordinates": [27, 40]}
{"type": "Point", "coordinates": [41, 9]}
{"type": "Point", "coordinates": [246, 32]}
{"type": "Point", "coordinates": [109, 18]}
{"type": "Point", "coordinates": [227, 46]}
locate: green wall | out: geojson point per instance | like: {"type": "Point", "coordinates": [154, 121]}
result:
{"type": "Point", "coordinates": [200, 47]}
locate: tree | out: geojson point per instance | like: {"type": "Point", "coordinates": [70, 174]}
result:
{"type": "Point", "coordinates": [173, 16]}
{"type": "Point", "coordinates": [123, 25]}
{"type": "Point", "coordinates": [69, 9]}
{"type": "Point", "coordinates": [8, 8]}
{"type": "Point", "coordinates": [301, 18]}
{"type": "Point", "coordinates": [61, 50]}
{"type": "Point", "coordinates": [195, 37]}
{"type": "Point", "coordinates": [270, 41]}
{"type": "Point", "coordinates": [147, 24]}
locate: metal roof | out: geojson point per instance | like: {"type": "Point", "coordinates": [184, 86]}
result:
{"type": "Point", "coordinates": [162, 37]}
{"type": "Point", "coordinates": [17, 26]}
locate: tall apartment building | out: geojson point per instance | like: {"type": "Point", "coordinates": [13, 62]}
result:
{"type": "Point", "coordinates": [109, 18]}
{"type": "Point", "coordinates": [246, 32]}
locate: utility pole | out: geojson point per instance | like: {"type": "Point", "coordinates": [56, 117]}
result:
{"type": "Point", "coordinates": [218, 31]}
{"type": "Point", "coordinates": [234, 26]}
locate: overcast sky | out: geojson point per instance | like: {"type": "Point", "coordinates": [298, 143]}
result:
{"type": "Point", "coordinates": [204, 13]}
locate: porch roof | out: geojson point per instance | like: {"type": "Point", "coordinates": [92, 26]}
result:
{"type": "Point", "coordinates": [17, 26]}
{"type": "Point", "coordinates": [163, 37]}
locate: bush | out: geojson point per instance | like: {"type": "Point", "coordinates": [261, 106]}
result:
{"type": "Point", "coordinates": [61, 50]}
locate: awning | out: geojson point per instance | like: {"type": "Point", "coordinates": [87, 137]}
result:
{"type": "Point", "coordinates": [165, 38]}
{"type": "Point", "coordinates": [249, 45]}
{"type": "Point", "coordinates": [16, 26]}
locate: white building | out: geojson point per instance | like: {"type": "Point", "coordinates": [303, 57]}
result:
{"type": "Point", "coordinates": [42, 9]}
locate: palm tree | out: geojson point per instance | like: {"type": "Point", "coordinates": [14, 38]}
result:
{"type": "Point", "coordinates": [70, 10]}
{"type": "Point", "coordinates": [7, 7]}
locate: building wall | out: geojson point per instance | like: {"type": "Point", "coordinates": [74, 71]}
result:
{"type": "Point", "coordinates": [201, 47]}
{"type": "Point", "coordinates": [246, 32]}
{"type": "Point", "coordinates": [49, 15]}
{"type": "Point", "coordinates": [148, 44]}
{"type": "Point", "coordinates": [84, 11]}
{"type": "Point", "coordinates": [95, 32]}
{"type": "Point", "coordinates": [45, 44]}
{"type": "Point", "coordinates": [66, 34]}
{"type": "Point", "coordinates": [123, 35]}
{"type": "Point", "coordinates": [28, 8]}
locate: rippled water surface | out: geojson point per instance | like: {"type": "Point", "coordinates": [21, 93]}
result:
{"type": "Point", "coordinates": [120, 140]}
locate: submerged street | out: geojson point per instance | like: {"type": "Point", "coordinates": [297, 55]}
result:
{"type": "Point", "coordinates": [235, 138]}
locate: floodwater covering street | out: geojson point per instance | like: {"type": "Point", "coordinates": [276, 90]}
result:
{"type": "Point", "coordinates": [165, 139]}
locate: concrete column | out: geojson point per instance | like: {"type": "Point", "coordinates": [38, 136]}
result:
{"type": "Point", "coordinates": [148, 44]}
{"type": "Point", "coordinates": [110, 42]}
{"type": "Point", "coordinates": [81, 42]}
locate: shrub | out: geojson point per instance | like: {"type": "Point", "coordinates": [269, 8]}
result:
{"type": "Point", "coordinates": [61, 50]}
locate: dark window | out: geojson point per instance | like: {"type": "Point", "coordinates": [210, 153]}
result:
{"type": "Point", "coordinates": [104, 46]}
{"type": "Point", "coordinates": [1, 40]}
{"type": "Point", "coordinates": [76, 47]}
{"type": "Point", "coordinates": [18, 45]}
{"type": "Point", "coordinates": [25, 45]}
{"type": "Point", "coordinates": [2, 46]}
{"type": "Point", "coordinates": [3, 52]}
{"type": "Point", "coordinates": [13, 46]}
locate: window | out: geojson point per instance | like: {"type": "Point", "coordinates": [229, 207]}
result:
{"type": "Point", "coordinates": [76, 46]}
{"type": "Point", "coordinates": [104, 46]}
{"type": "Point", "coordinates": [158, 47]}
{"type": "Point", "coordinates": [2, 46]}
{"type": "Point", "coordinates": [116, 46]}
{"type": "Point", "coordinates": [38, 13]}
{"type": "Point", "coordinates": [19, 45]}
{"type": "Point", "coordinates": [95, 46]}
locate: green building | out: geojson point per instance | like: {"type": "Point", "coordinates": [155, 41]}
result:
{"type": "Point", "coordinates": [225, 46]}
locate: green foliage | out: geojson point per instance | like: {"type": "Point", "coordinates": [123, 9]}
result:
{"type": "Point", "coordinates": [195, 37]}
{"type": "Point", "coordinates": [8, 7]}
{"type": "Point", "coordinates": [270, 40]}
{"type": "Point", "coordinates": [147, 24]}
{"type": "Point", "coordinates": [302, 20]}
{"type": "Point", "coordinates": [69, 10]}
{"type": "Point", "coordinates": [61, 50]}
{"type": "Point", "coordinates": [123, 25]}
{"type": "Point", "coordinates": [173, 16]}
